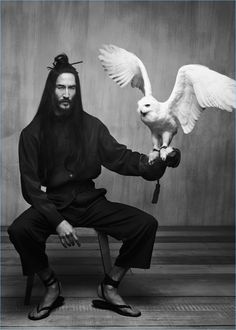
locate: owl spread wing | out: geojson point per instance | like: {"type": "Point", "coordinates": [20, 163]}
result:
{"type": "Point", "coordinates": [124, 67]}
{"type": "Point", "coordinates": [196, 88]}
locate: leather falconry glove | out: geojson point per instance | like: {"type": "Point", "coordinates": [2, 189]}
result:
{"type": "Point", "coordinates": [156, 170]}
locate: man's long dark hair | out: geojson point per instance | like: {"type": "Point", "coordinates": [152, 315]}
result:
{"type": "Point", "coordinates": [74, 123]}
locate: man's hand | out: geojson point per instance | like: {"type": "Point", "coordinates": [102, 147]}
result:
{"type": "Point", "coordinates": [67, 234]}
{"type": "Point", "coordinates": [154, 171]}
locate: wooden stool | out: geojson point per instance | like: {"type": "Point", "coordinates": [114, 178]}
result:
{"type": "Point", "coordinates": [106, 262]}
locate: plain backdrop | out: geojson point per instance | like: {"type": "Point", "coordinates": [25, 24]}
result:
{"type": "Point", "coordinates": [165, 35]}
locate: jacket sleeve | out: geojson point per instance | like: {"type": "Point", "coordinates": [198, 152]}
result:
{"type": "Point", "coordinates": [115, 156]}
{"type": "Point", "coordinates": [118, 158]}
{"type": "Point", "coordinates": [30, 182]}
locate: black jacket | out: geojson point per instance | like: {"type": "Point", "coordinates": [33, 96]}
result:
{"type": "Point", "coordinates": [62, 185]}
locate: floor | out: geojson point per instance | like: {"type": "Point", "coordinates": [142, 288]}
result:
{"type": "Point", "coordinates": [189, 286]}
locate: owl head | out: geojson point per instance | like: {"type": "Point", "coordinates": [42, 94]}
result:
{"type": "Point", "coordinates": [147, 106]}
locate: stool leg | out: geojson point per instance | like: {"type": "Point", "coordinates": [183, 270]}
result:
{"type": "Point", "coordinates": [105, 251]}
{"type": "Point", "coordinates": [28, 289]}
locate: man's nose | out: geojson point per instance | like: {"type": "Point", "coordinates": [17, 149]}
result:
{"type": "Point", "coordinates": [66, 94]}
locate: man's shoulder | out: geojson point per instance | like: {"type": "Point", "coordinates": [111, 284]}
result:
{"type": "Point", "coordinates": [32, 128]}
{"type": "Point", "coordinates": [92, 120]}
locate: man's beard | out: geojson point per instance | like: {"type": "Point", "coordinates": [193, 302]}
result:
{"type": "Point", "coordinates": [62, 112]}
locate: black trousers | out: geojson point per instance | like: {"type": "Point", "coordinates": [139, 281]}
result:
{"type": "Point", "coordinates": [134, 227]}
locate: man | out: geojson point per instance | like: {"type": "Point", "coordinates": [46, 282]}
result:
{"type": "Point", "coordinates": [63, 149]}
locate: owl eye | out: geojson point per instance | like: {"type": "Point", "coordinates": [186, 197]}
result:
{"type": "Point", "coordinates": [147, 105]}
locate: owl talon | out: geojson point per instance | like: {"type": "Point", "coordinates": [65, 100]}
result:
{"type": "Point", "coordinates": [164, 152]}
{"type": "Point", "coordinates": [152, 156]}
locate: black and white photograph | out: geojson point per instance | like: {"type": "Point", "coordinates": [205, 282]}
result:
{"type": "Point", "coordinates": [117, 165]}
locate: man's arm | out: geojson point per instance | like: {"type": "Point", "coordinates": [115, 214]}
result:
{"type": "Point", "coordinates": [117, 157]}
{"type": "Point", "coordinates": [30, 183]}
{"type": "Point", "coordinates": [31, 190]}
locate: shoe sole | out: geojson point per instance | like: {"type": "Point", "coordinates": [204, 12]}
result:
{"type": "Point", "coordinates": [57, 303]}
{"type": "Point", "coordinates": [101, 304]}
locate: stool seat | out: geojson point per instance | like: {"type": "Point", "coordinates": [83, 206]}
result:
{"type": "Point", "coordinates": [106, 262]}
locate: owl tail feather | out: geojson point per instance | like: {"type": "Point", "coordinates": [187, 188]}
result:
{"type": "Point", "coordinates": [156, 193]}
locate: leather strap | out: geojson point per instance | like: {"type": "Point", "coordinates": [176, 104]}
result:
{"type": "Point", "coordinates": [50, 280]}
{"type": "Point", "coordinates": [109, 281]}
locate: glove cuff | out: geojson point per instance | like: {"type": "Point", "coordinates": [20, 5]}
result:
{"type": "Point", "coordinates": [173, 159]}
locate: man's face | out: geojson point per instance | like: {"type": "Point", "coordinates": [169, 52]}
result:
{"type": "Point", "coordinates": [65, 91]}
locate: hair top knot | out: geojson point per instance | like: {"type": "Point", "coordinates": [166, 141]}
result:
{"type": "Point", "coordinates": [61, 62]}
{"type": "Point", "coordinates": [60, 59]}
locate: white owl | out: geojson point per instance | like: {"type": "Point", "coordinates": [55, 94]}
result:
{"type": "Point", "coordinates": [196, 88]}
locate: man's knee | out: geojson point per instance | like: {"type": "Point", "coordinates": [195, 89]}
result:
{"type": "Point", "coordinates": [21, 226]}
{"type": "Point", "coordinates": [152, 222]}
{"type": "Point", "coordinates": [147, 221]}
{"type": "Point", "coordinates": [16, 230]}
{"type": "Point", "coordinates": [27, 225]}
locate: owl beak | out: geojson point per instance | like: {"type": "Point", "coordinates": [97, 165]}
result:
{"type": "Point", "coordinates": [143, 109]}
{"type": "Point", "coordinates": [143, 113]}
